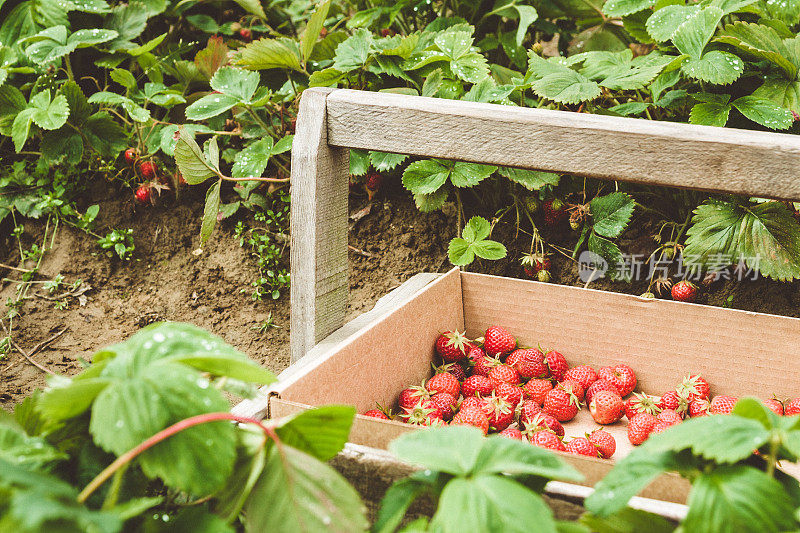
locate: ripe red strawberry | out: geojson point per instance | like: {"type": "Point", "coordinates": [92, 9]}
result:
{"type": "Point", "coordinates": [621, 376]}
{"type": "Point", "coordinates": [792, 408]}
{"type": "Point", "coordinates": [560, 404]}
{"type": "Point", "coordinates": [775, 406]}
{"type": "Point", "coordinates": [424, 413]}
{"type": "Point", "coordinates": [583, 374]}
{"type": "Point", "coordinates": [673, 400]}
{"type": "Point", "coordinates": [541, 421]}
{"type": "Point", "coordinates": [474, 353]}
{"type": "Point", "coordinates": [452, 368]}
{"type": "Point", "coordinates": [446, 403]}
{"type": "Point", "coordinates": [641, 403]}
{"type": "Point", "coordinates": [597, 386]}
{"type": "Point", "coordinates": [376, 413]}
{"type": "Point", "coordinates": [527, 410]}
{"type": "Point", "coordinates": [483, 365]}
{"type": "Point", "coordinates": [444, 382]}
{"type": "Point", "coordinates": [535, 389]}
{"type": "Point", "coordinates": [581, 446]}
{"type": "Point", "coordinates": [529, 363]}
{"type": "Point", "coordinates": [471, 401]}
{"type": "Point", "coordinates": [684, 291]}
{"type": "Point", "coordinates": [699, 407]}
{"type": "Point", "coordinates": [472, 416]}
{"type": "Point", "coordinates": [604, 442]}
{"type": "Point", "coordinates": [245, 34]}
{"type": "Point", "coordinates": [130, 155]}
{"type": "Point", "coordinates": [694, 387]}
{"type": "Point", "coordinates": [143, 194]}
{"type": "Point", "coordinates": [572, 386]}
{"type": "Point", "coordinates": [452, 346]}
{"type": "Point", "coordinates": [511, 433]}
{"type": "Point", "coordinates": [412, 395]}
{"type": "Point", "coordinates": [659, 427]}
{"type": "Point", "coordinates": [532, 264]}
{"type": "Point", "coordinates": [557, 364]}
{"type": "Point", "coordinates": [670, 417]}
{"type": "Point", "coordinates": [503, 373]}
{"type": "Point", "coordinates": [510, 392]}
{"type": "Point", "coordinates": [554, 211]}
{"type": "Point", "coordinates": [547, 439]}
{"type": "Point", "coordinates": [639, 428]}
{"type": "Point", "coordinates": [373, 181]}
{"type": "Point", "coordinates": [499, 411]}
{"type": "Point", "coordinates": [498, 340]}
{"type": "Point", "coordinates": [722, 405]}
{"type": "Point", "coordinates": [606, 407]}
{"type": "Point", "coordinates": [148, 169]}
{"type": "Point", "coordinates": [477, 384]}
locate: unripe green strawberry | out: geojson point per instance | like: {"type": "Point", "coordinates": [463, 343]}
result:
{"type": "Point", "coordinates": [544, 276]}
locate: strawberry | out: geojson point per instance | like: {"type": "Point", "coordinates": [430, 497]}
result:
{"type": "Point", "coordinates": [792, 408]}
{"type": "Point", "coordinates": [698, 407]}
{"type": "Point", "coordinates": [641, 403]}
{"type": "Point", "coordinates": [412, 395]}
{"type": "Point", "coordinates": [541, 421]}
{"type": "Point", "coordinates": [660, 426]}
{"type": "Point", "coordinates": [670, 417]}
{"type": "Point", "coordinates": [581, 446]}
{"type": "Point", "coordinates": [639, 428]}
{"type": "Point", "coordinates": [130, 155]}
{"type": "Point", "coordinates": [503, 373]}
{"type": "Point", "coordinates": [498, 340]}
{"type": "Point", "coordinates": [604, 442]}
{"type": "Point", "coordinates": [527, 410]}
{"type": "Point", "coordinates": [451, 368]}
{"type": "Point", "coordinates": [452, 346]}
{"type": "Point", "coordinates": [775, 406]}
{"type": "Point", "coordinates": [554, 211]}
{"type": "Point", "coordinates": [472, 416]}
{"type": "Point", "coordinates": [535, 389]}
{"type": "Point", "coordinates": [483, 365]}
{"type": "Point", "coordinates": [694, 387]}
{"type": "Point", "coordinates": [423, 413]}
{"type": "Point", "coordinates": [143, 194]}
{"type": "Point", "coordinates": [557, 364]}
{"type": "Point", "coordinates": [529, 363]}
{"type": "Point", "coordinates": [546, 439]}
{"type": "Point", "coordinates": [573, 387]}
{"type": "Point", "coordinates": [560, 404]}
{"type": "Point", "coordinates": [511, 433]}
{"type": "Point", "coordinates": [673, 400]}
{"type": "Point", "coordinates": [444, 382]}
{"type": "Point", "coordinates": [606, 407]}
{"type": "Point", "coordinates": [373, 181]}
{"type": "Point", "coordinates": [509, 392]}
{"type": "Point", "coordinates": [245, 34]}
{"type": "Point", "coordinates": [684, 291]}
{"type": "Point", "coordinates": [387, 32]}
{"type": "Point", "coordinates": [722, 405]}
{"type": "Point", "coordinates": [475, 352]}
{"type": "Point", "coordinates": [532, 264]}
{"type": "Point", "coordinates": [376, 413]}
{"type": "Point", "coordinates": [148, 169]}
{"type": "Point", "coordinates": [499, 411]}
{"type": "Point", "coordinates": [621, 376]}
{"type": "Point", "coordinates": [597, 386]}
{"type": "Point", "coordinates": [544, 276]}
{"type": "Point", "coordinates": [477, 384]}
{"type": "Point", "coordinates": [446, 403]}
{"type": "Point", "coordinates": [471, 401]}
{"type": "Point", "coordinates": [583, 374]}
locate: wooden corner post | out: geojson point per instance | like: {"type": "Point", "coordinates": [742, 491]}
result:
{"type": "Point", "coordinates": [319, 268]}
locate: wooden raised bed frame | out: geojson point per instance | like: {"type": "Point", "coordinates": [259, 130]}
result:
{"type": "Point", "coordinates": [331, 121]}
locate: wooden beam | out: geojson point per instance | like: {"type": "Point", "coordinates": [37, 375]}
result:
{"type": "Point", "coordinates": [319, 267]}
{"type": "Point", "coordinates": [656, 153]}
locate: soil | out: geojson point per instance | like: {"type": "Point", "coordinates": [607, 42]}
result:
{"type": "Point", "coordinates": [166, 281]}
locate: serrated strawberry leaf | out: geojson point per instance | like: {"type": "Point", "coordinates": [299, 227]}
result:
{"type": "Point", "coordinates": [611, 213]}
{"type": "Point", "coordinates": [760, 41]}
{"type": "Point", "coordinates": [190, 159]}
{"type": "Point", "coordinates": [612, 255]}
{"type": "Point", "coordinates": [783, 92]}
{"type": "Point", "coordinates": [566, 87]}
{"type": "Point", "coordinates": [663, 24]}
{"type": "Point", "coordinates": [532, 180]}
{"type": "Point", "coordinates": [719, 68]}
{"type": "Point", "coordinates": [470, 174]}
{"type": "Point", "coordinates": [251, 161]}
{"type": "Point", "coordinates": [692, 36]}
{"type": "Point", "coordinates": [710, 114]}
{"type": "Point", "coordinates": [320, 432]}
{"type": "Point", "coordinates": [621, 8]}
{"type": "Point", "coordinates": [353, 52]}
{"type": "Point", "coordinates": [426, 176]}
{"type": "Point", "coordinates": [271, 53]}
{"type": "Point", "coordinates": [359, 162]}
{"type": "Point", "coordinates": [433, 201]}
{"type": "Point", "coordinates": [764, 112]}
{"type": "Point", "coordinates": [384, 161]}
{"type": "Point", "coordinates": [453, 450]}
{"type": "Point", "coordinates": [32, 453]}
{"type": "Point", "coordinates": [210, 212]}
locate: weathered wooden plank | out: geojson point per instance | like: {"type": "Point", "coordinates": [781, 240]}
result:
{"type": "Point", "coordinates": [319, 268]}
{"type": "Point", "coordinates": [657, 153]}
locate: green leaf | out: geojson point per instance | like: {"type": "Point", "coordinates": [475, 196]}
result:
{"type": "Point", "coordinates": [311, 33]}
{"type": "Point", "coordinates": [608, 251]}
{"type": "Point", "coordinates": [738, 499]}
{"type": "Point", "coordinates": [630, 108]}
{"type": "Point", "coordinates": [271, 53]}
{"type": "Point", "coordinates": [663, 24]}
{"type": "Point", "coordinates": [710, 114]}
{"type": "Point", "coordinates": [190, 159]}
{"type": "Point", "coordinates": [129, 21]}
{"type": "Point", "coordinates": [611, 213]}
{"type": "Point", "coordinates": [32, 453]}
{"type": "Point", "coordinates": [105, 134]}
{"type": "Point", "coordinates": [320, 432]}
{"type": "Point", "coordinates": [70, 400]}
{"type": "Point", "coordinates": [533, 180]}
{"type": "Point", "coordinates": [235, 367]}
{"type": "Point", "coordinates": [399, 497]}
{"type": "Point", "coordinates": [765, 236]}
{"type": "Point", "coordinates": [487, 249]}
{"type": "Point", "coordinates": [426, 176]}
{"type": "Point", "coordinates": [764, 112]}
{"type": "Point", "coordinates": [235, 82]}
{"type": "Point", "coordinates": [54, 42]}
{"type": "Point", "coordinates": [499, 455]}
{"type": "Point", "coordinates": [783, 92]}
{"type": "Point", "coordinates": [47, 114]}
{"type": "Point", "coordinates": [304, 495]}
{"type": "Point", "coordinates": [478, 228]}
{"type": "Point", "coordinates": [21, 127]}
{"type": "Point", "coordinates": [755, 410]}
{"type": "Point", "coordinates": [470, 174]}
{"type": "Point", "coordinates": [352, 53]}
{"type": "Point", "coordinates": [252, 6]}
{"type": "Point", "coordinates": [384, 161]}
{"type": "Point", "coordinates": [359, 162]}
{"type": "Point", "coordinates": [719, 68]}
{"type": "Point", "coordinates": [326, 77]}
{"type": "Point", "coordinates": [628, 521]}
{"type": "Point", "coordinates": [488, 91]}
{"type": "Point", "coordinates": [566, 87]}
{"type": "Point", "coordinates": [453, 449]}
{"type": "Point", "coordinates": [621, 8]}
{"type": "Point", "coordinates": [210, 105]}
{"type": "Point", "coordinates": [252, 161]}
{"type": "Point", "coordinates": [471, 67]}
{"type": "Point", "coordinates": [693, 34]}
{"type": "Point", "coordinates": [210, 212]}
{"type": "Point", "coordinates": [761, 42]}
{"type": "Point", "coordinates": [124, 78]}
{"type": "Point", "coordinates": [460, 252]}
{"type": "Point", "coordinates": [433, 201]}
{"type": "Point", "coordinates": [527, 16]}
{"type": "Point", "coordinates": [490, 504]}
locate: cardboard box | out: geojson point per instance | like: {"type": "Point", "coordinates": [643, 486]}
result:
{"type": "Point", "coordinates": [662, 340]}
